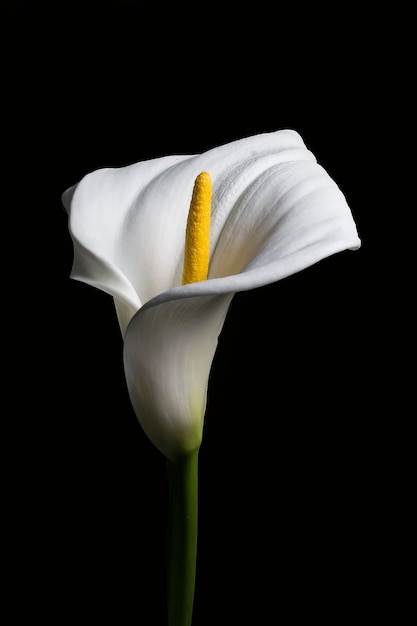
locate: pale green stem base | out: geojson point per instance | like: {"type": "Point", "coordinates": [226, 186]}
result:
{"type": "Point", "coordinates": [182, 538]}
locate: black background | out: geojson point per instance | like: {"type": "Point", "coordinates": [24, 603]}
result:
{"type": "Point", "coordinates": [290, 472]}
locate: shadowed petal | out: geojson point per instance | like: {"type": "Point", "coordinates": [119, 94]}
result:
{"type": "Point", "coordinates": [168, 351]}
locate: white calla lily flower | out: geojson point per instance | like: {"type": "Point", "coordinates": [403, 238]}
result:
{"type": "Point", "coordinates": [274, 212]}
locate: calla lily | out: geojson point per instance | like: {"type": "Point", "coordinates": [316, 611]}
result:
{"type": "Point", "coordinates": [275, 211]}
{"type": "Point", "coordinates": [261, 208]}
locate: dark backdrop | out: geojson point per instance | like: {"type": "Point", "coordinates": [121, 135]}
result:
{"type": "Point", "coordinates": [289, 476]}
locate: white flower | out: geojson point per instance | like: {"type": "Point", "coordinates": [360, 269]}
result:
{"type": "Point", "coordinates": [275, 211]}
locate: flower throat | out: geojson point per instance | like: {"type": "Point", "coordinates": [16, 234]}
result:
{"type": "Point", "coordinates": [197, 234]}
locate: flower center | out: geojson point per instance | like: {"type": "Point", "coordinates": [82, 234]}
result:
{"type": "Point", "coordinates": [197, 234]}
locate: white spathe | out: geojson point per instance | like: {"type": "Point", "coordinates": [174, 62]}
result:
{"type": "Point", "coordinates": [275, 211]}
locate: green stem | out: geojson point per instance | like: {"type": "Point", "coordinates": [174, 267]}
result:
{"type": "Point", "coordinates": [182, 538]}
